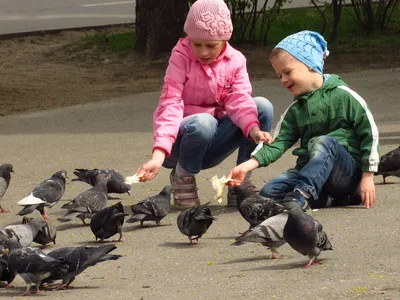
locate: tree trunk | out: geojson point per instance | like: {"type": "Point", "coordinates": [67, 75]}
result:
{"type": "Point", "coordinates": [159, 25]}
{"type": "Point", "coordinates": [337, 12]}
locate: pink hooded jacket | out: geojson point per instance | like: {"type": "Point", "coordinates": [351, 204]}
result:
{"type": "Point", "coordinates": [190, 88]}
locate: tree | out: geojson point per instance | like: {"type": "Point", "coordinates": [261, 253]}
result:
{"type": "Point", "coordinates": [372, 16]}
{"type": "Point", "coordinates": [159, 25]}
{"type": "Point", "coordinates": [321, 13]}
{"type": "Point", "coordinates": [337, 12]}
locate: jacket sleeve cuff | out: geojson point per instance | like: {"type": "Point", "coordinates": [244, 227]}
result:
{"type": "Point", "coordinates": [164, 144]}
{"type": "Point", "coordinates": [249, 127]}
{"type": "Point", "coordinates": [369, 168]}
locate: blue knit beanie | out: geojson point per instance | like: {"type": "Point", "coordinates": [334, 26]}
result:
{"type": "Point", "coordinates": [309, 47]}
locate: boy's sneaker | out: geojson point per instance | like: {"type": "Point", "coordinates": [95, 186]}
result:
{"type": "Point", "coordinates": [297, 197]}
{"type": "Point", "coordinates": [185, 191]}
{"type": "Point", "coordinates": [231, 197]}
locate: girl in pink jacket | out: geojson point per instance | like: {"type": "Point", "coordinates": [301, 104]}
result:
{"type": "Point", "coordinates": [206, 110]}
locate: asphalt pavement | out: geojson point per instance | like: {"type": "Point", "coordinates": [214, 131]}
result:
{"type": "Point", "coordinates": [158, 263]}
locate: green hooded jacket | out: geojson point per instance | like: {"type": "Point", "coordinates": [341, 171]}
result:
{"type": "Point", "coordinates": [333, 110]}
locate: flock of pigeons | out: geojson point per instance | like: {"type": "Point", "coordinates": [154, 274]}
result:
{"type": "Point", "coordinates": [271, 224]}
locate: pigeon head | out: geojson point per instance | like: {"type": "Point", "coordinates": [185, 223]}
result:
{"type": "Point", "coordinates": [62, 174]}
{"type": "Point", "coordinates": [102, 178]}
{"type": "Point", "coordinates": [242, 192]}
{"type": "Point", "coordinates": [324, 242]}
{"type": "Point", "coordinates": [38, 223]}
{"type": "Point", "coordinates": [8, 243]}
{"type": "Point", "coordinates": [123, 187]}
{"type": "Point", "coordinates": [166, 191]}
{"type": "Point", "coordinates": [6, 169]}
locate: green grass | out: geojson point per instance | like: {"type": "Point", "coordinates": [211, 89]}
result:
{"type": "Point", "coordinates": [121, 43]}
{"type": "Point", "coordinates": [293, 20]}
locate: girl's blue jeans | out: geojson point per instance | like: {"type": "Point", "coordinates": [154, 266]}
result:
{"type": "Point", "coordinates": [204, 142]}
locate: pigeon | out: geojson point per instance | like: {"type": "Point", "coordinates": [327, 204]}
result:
{"type": "Point", "coordinates": [389, 164]}
{"type": "Point", "coordinates": [116, 183]}
{"type": "Point", "coordinates": [305, 234]}
{"type": "Point", "coordinates": [87, 203]}
{"type": "Point", "coordinates": [46, 235]}
{"type": "Point", "coordinates": [5, 177]}
{"type": "Point", "coordinates": [108, 222]}
{"type": "Point", "coordinates": [24, 233]}
{"type": "Point", "coordinates": [6, 274]}
{"type": "Point", "coordinates": [78, 259]}
{"type": "Point", "coordinates": [45, 194]}
{"type": "Point", "coordinates": [255, 208]}
{"type": "Point", "coordinates": [195, 221]}
{"type": "Point", "coordinates": [153, 208]}
{"type": "Point", "coordinates": [34, 266]}
{"type": "Point", "coordinates": [269, 233]}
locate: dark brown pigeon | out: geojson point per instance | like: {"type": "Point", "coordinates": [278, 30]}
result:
{"type": "Point", "coordinates": [5, 178]}
{"type": "Point", "coordinates": [389, 164]}
{"type": "Point", "coordinates": [116, 183]}
{"type": "Point", "coordinates": [153, 208]}
{"type": "Point", "coordinates": [108, 222]}
{"type": "Point", "coordinates": [195, 221]}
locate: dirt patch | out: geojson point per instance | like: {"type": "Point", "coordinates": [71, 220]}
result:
{"type": "Point", "coordinates": [49, 71]}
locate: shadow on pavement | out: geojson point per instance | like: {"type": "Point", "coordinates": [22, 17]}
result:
{"type": "Point", "coordinates": [179, 245]}
{"type": "Point", "coordinates": [284, 266]}
{"type": "Point", "coordinates": [247, 259]}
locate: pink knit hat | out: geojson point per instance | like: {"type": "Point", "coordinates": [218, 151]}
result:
{"type": "Point", "coordinates": [209, 20]}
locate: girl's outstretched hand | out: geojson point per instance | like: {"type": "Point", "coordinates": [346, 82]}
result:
{"type": "Point", "coordinates": [150, 169]}
{"type": "Point", "coordinates": [257, 135]}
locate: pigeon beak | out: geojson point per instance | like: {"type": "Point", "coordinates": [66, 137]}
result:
{"type": "Point", "coordinates": [13, 171]}
{"type": "Point", "coordinates": [128, 192]}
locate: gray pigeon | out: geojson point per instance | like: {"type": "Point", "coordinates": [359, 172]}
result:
{"type": "Point", "coordinates": [389, 164]}
{"type": "Point", "coordinates": [46, 235]}
{"type": "Point", "coordinates": [116, 183]}
{"type": "Point", "coordinates": [195, 221]}
{"type": "Point", "coordinates": [5, 177]}
{"type": "Point", "coordinates": [50, 191]}
{"type": "Point", "coordinates": [87, 203]}
{"type": "Point", "coordinates": [255, 208]}
{"type": "Point", "coordinates": [269, 233]}
{"type": "Point", "coordinates": [34, 266]}
{"type": "Point", "coordinates": [153, 208]}
{"type": "Point", "coordinates": [24, 233]}
{"type": "Point", "coordinates": [78, 259]}
{"type": "Point", "coordinates": [305, 234]}
{"type": "Point", "coordinates": [108, 222]}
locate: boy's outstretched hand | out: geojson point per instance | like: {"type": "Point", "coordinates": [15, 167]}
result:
{"type": "Point", "coordinates": [238, 173]}
{"type": "Point", "coordinates": [367, 189]}
{"type": "Point", "coordinates": [257, 135]}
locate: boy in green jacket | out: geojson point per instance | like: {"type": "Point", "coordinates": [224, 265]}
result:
{"type": "Point", "coordinates": [339, 140]}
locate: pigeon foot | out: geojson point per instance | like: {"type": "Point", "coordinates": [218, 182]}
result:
{"type": "Point", "coordinates": [313, 261]}
{"type": "Point", "coordinates": [274, 255]}
{"type": "Point", "coordinates": [2, 210]}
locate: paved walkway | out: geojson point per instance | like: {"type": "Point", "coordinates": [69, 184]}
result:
{"type": "Point", "coordinates": [159, 264]}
